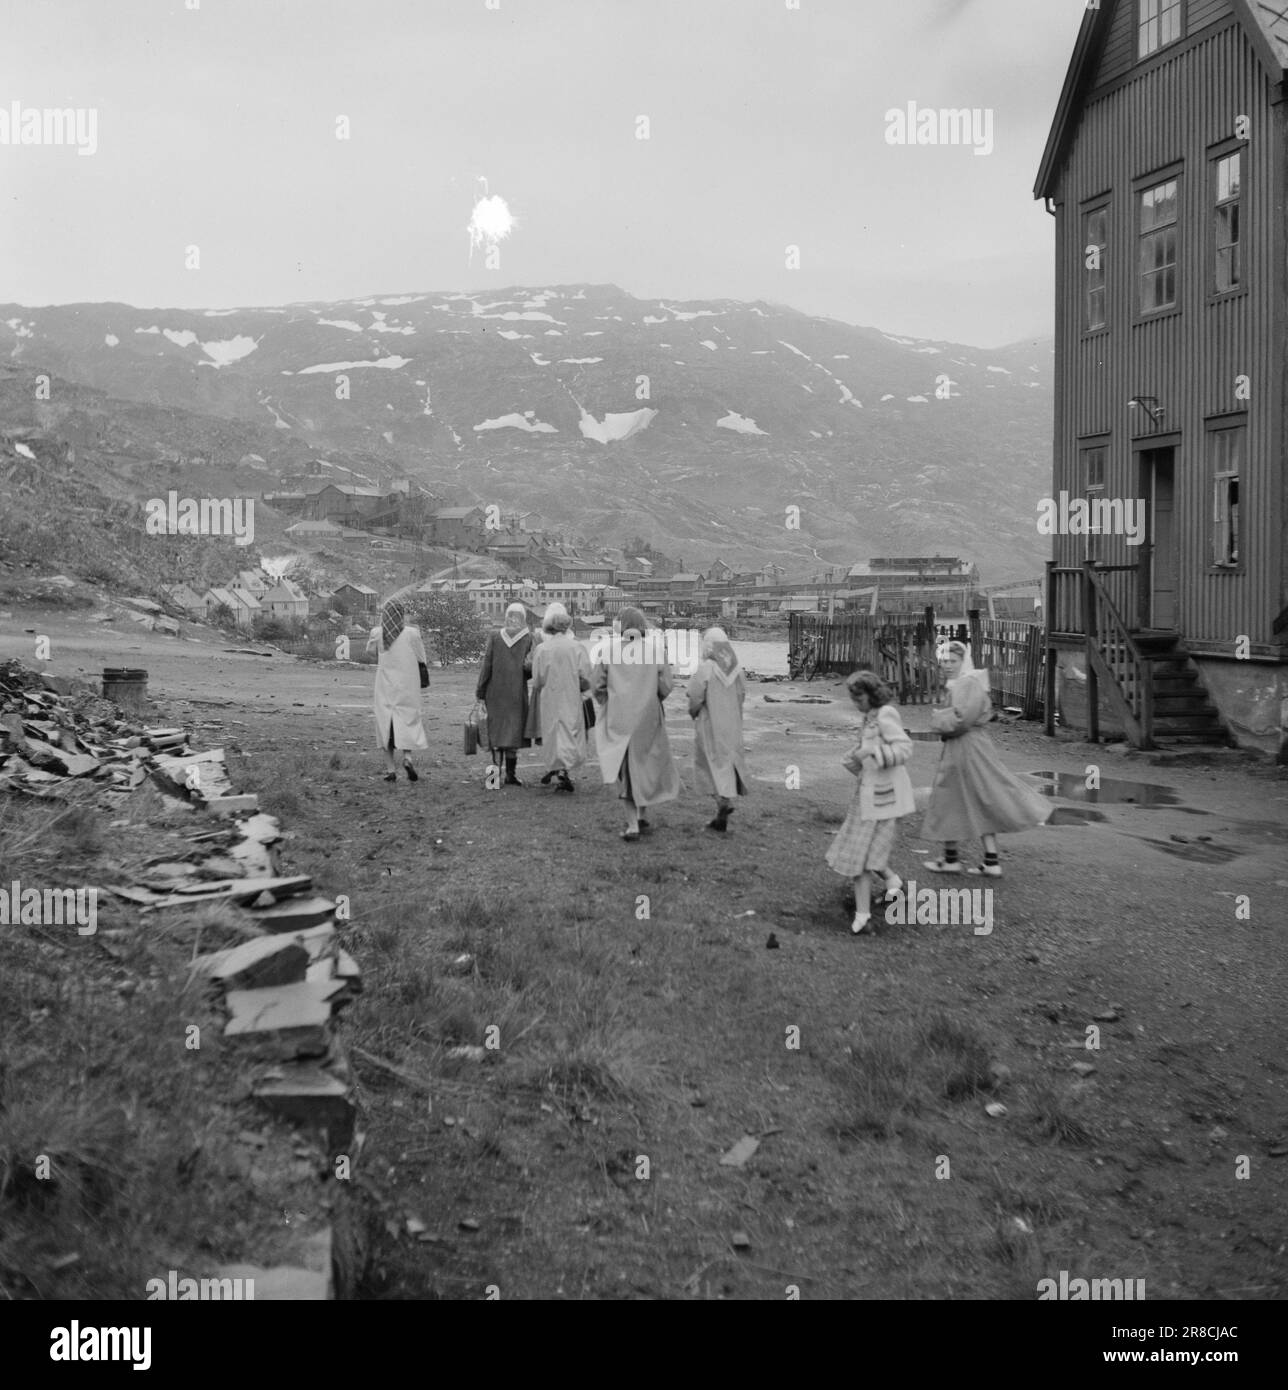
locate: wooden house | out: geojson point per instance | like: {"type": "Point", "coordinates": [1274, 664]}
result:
{"type": "Point", "coordinates": [1165, 170]}
{"type": "Point", "coordinates": [355, 599]}
{"type": "Point", "coordinates": [285, 600]}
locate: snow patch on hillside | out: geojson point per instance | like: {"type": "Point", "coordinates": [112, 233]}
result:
{"type": "Point", "coordinates": [539, 360]}
{"type": "Point", "coordinates": [180, 337]}
{"type": "Point", "coordinates": [404, 299]}
{"type": "Point", "coordinates": [218, 313]}
{"type": "Point", "coordinates": [226, 350]}
{"type": "Point", "coordinates": [654, 318]}
{"type": "Point", "coordinates": [388, 362]}
{"type": "Point", "coordinates": [1002, 370]}
{"type": "Point", "coordinates": [921, 400]}
{"type": "Point", "coordinates": [502, 333]}
{"type": "Point", "coordinates": [347, 324]}
{"type": "Point", "coordinates": [615, 425]}
{"type": "Point", "coordinates": [153, 329]}
{"type": "Point", "coordinates": [707, 343]}
{"type": "Point", "coordinates": [515, 421]}
{"type": "Point", "coordinates": [741, 423]}
{"type": "Point", "coordinates": [577, 361]}
{"type": "Point", "coordinates": [111, 339]}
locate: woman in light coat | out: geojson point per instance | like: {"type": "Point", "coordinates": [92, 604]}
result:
{"type": "Point", "coordinates": [630, 679]}
{"type": "Point", "coordinates": [717, 690]}
{"type": "Point", "coordinates": [861, 850]}
{"type": "Point", "coordinates": [400, 653]}
{"type": "Point", "coordinates": [503, 687]}
{"type": "Point", "coordinates": [560, 673]}
{"type": "Point", "coordinates": [975, 793]}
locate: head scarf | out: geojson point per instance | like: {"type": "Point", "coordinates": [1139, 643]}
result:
{"type": "Point", "coordinates": [717, 646]}
{"type": "Point", "coordinates": [968, 671]}
{"type": "Point", "coordinates": [508, 638]}
{"type": "Point", "coordinates": [553, 610]}
{"type": "Point", "coordinates": [392, 622]}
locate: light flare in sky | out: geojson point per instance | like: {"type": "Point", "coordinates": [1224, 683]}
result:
{"type": "Point", "coordinates": [490, 223]}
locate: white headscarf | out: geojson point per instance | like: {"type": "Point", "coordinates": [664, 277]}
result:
{"type": "Point", "coordinates": [969, 671]}
{"type": "Point", "coordinates": [717, 647]}
{"type": "Point", "coordinates": [553, 610]}
{"type": "Point", "coordinates": [511, 638]}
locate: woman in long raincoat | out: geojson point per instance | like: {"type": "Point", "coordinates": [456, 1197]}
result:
{"type": "Point", "coordinates": [974, 794]}
{"type": "Point", "coordinates": [400, 652]}
{"type": "Point", "coordinates": [717, 690]}
{"type": "Point", "coordinates": [503, 687]}
{"type": "Point", "coordinates": [629, 684]}
{"type": "Point", "coordinates": [560, 672]}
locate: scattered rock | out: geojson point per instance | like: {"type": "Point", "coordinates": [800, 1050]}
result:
{"type": "Point", "coordinates": [772, 943]}
{"type": "Point", "coordinates": [1083, 1068]}
{"type": "Point", "coordinates": [995, 1109]}
{"type": "Point", "coordinates": [741, 1152]}
{"type": "Point", "coordinates": [741, 1240]}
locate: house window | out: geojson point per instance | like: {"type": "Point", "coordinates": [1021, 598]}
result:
{"type": "Point", "coordinates": [1226, 223]}
{"type": "Point", "coordinates": [1158, 24]}
{"type": "Point", "coordinates": [1158, 247]}
{"type": "Point", "coordinates": [1225, 449]}
{"type": "Point", "coordinates": [1095, 235]}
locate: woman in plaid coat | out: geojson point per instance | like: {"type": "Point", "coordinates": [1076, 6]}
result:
{"type": "Point", "coordinates": [884, 793]}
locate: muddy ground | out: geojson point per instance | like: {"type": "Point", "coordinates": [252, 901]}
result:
{"type": "Point", "coordinates": [581, 1156]}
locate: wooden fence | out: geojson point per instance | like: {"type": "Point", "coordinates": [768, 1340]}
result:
{"type": "Point", "coordinates": [902, 651]}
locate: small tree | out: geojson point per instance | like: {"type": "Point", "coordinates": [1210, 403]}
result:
{"type": "Point", "coordinates": [458, 630]}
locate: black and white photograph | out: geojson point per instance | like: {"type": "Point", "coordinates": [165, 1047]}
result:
{"type": "Point", "coordinates": [644, 657]}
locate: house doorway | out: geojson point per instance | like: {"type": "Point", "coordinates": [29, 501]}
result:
{"type": "Point", "coordinates": [1158, 484]}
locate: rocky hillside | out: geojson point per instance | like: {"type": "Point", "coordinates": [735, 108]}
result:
{"type": "Point", "coordinates": [699, 424]}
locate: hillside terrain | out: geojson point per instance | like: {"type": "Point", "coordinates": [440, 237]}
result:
{"type": "Point", "coordinates": [698, 424]}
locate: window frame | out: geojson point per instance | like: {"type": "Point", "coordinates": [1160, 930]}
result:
{"type": "Point", "coordinates": [1090, 445]}
{"type": "Point", "coordinates": [1216, 153]}
{"type": "Point", "coordinates": [1236, 425]}
{"type": "Point", "coordinates": [1089, 209]}
{"type": "Point", "coordinates": [1173, 173]}
{"type": "Point", "coordinates": [1162, 7]}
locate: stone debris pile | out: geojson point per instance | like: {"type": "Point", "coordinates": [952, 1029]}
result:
{"type": "Point", "coordinates": [285, 983]}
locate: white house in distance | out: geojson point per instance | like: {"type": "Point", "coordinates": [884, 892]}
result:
{"type": "Point", "coordinates": [243, 606]}
{"type": "Point", "coordinates": [188, 599]}
{"type": "Point", "coordinates": [285, 600]}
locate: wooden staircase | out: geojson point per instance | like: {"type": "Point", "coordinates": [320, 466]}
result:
{"type": "Point", "coordinates": [1181, 713]}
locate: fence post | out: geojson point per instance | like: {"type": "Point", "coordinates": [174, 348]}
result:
{"type": "Point", "coordinates": [1048, 673]}
{"type": "Point", "coordinates": [1089, 633]}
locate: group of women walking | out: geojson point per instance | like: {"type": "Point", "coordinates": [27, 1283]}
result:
{"type": "Point", "coordinates": [543, 688]}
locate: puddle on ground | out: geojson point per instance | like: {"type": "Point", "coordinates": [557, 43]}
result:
{"type": "Point", "coordinates": [1072, 786]}
{"type": "Point", "coordinates": [1075, 815]}
{"type": "Point", "coordinates": [1149, 796]}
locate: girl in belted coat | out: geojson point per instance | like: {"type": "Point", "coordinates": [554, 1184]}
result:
{"type": "Point", "coordinates": [503, 687]}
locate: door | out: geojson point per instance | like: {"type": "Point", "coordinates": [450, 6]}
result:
{"type": "Point", "coordinates": [1159, 479]}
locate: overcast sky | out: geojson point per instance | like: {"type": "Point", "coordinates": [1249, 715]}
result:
{"type": "Point", "coordinates": [216, 127]}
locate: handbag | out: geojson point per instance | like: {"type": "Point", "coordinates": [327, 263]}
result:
{"type": "Point", "coordinates": [473, 734]}
{"type": "Point", "coordinates": [588, 712]}
{"type": "Point", "coordinates": [424, 675]}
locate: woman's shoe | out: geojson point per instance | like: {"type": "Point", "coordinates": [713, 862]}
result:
{"type": "Point", "coordinates": [564, 784]}
{"type": "Point", "coordinates": [548, 778]}
{"type": "Point", "coordinates": [412, 774]}
{"type": "Point", "coordinates": [893, 885]}
{"type": "Point", "coordinates": [862, 922]}
{"type": "Point", "coordinates": [391, 776]}
{"type": "Point", "coordinates": [630, 834]}
{"type": "Point", "coordinates": [942, 866]}
{"type": "Point", "coordinates": [721, 822]}
{"type": "Point", "coordinates": [645, 825]}
{"type": "Point", "coordinates": [987, 870]}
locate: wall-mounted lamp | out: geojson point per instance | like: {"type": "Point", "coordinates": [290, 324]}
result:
{"type": "Point", "coordinates": [1149, 403]}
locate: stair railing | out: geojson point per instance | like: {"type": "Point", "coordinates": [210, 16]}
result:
{"type": "Point", "coordinates": [1114, 657]}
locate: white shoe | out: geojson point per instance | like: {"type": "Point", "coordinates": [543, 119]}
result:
{"type": "Point", "coordinates": [893, 885]}
{"type": "Point", "coordinates": [860, 923]}
{"type": "Point", "coordinates": [942, 866]}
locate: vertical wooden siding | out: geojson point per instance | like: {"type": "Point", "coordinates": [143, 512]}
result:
{"type": "Point", "coordinates": [1174, 111]}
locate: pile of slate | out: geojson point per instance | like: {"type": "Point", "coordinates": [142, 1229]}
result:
{"type": "Point", "coordinates": [287, 979]}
